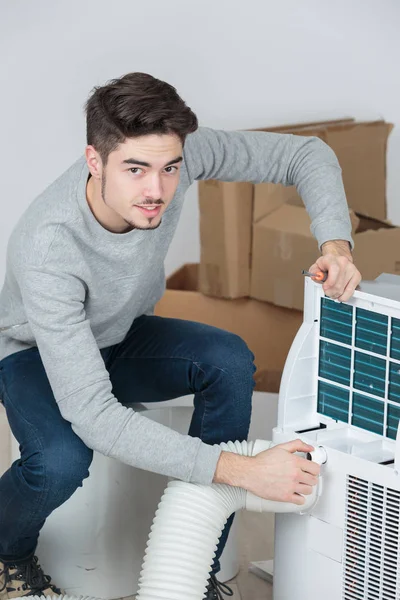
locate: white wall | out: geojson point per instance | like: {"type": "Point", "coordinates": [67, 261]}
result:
{"type": "Point", "coordinates": [238, 64]}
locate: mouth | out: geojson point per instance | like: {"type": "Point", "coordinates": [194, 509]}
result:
{"type": "Point", "coordinates": [150, 210]}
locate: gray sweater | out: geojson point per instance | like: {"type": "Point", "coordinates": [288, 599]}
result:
{"type": "Point", "coordinates": [73, 287]}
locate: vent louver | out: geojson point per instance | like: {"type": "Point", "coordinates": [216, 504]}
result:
{"type": "Point", "coordinates": [372, 542]}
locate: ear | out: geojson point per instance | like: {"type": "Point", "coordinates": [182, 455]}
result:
{"type": "Point", "coordinates": [94, 162]}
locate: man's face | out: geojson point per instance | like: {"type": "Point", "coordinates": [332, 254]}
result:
{"type": "Point", "coordinates": [137, 184]}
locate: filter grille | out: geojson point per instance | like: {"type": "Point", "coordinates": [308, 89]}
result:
{"type": "Point", "coordinates": [359, 367]}
{"type": "Point", "coordinates": [372, 542]}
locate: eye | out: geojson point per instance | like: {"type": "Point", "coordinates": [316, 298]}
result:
{"type": "Point", "coordinates": [171, 169]}
{"type": "Point", "coordinates": [135, 170]}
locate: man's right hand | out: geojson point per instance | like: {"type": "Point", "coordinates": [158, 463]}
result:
{"type": "Point", "coordinates": [275, 474]}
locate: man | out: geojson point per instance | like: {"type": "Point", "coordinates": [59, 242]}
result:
{"type": "Point", "coordinates": [78, 338]}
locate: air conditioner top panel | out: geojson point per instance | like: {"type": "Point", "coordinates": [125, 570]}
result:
{"type": "Point", "coordinates": [385, 286]}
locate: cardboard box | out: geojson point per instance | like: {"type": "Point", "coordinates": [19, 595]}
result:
{"type": "Point", "coordinates": [226, 216]}
{"type": "Point", "coordinates": [228, 210]}
{"type": "Point", "coordinates": [361, 149]}
{"type": "Point", "coordinates": [268, 330]}
{"type": "Point", "coordinates": [283, 246]}
{"type": "Point", "coordinates": [268, 197]}
{"type": "Point", "coordinates": [225, 230]}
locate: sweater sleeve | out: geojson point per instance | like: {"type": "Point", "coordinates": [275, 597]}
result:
{"type": "Point", "coordinates": [256, 156]}
{"type": "Point", "coordinates": [54, 306]}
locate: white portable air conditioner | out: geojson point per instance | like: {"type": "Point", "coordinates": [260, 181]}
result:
{"type": "Point", "coordinates": [341, 390]}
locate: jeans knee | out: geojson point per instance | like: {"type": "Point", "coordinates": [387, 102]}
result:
{"type": "Point", "coordinates": [222, 379]}
{"type": "Point", "coordinates": [67, 466]}
{"type": "Point", "coordinates": [233, 356]}
{"type": "Point", "coordinates": [243, 356]}
{"type": "Point", "coordinates": [59, 468]}
{"type": "Point", "coordinates": [227, 356]}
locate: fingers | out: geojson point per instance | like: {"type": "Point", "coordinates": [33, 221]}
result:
{"type": "Point", "coordinates": [308, 479]}
{"type": "Point", "coordinates": [314, 268]}
{"type": "Point", "coordinates": [346, 281]}
{"type": "Point", "coordinates": [296, 446]}
{"type": "Point", "coordinates": [297, 499]}
{"type": "Point", "coordinates": [343, 276]}
{"type": "Point", "coordinates": [337, 275]}
{"type": "Point", "coordinates": [306, 484]}
{"type": "Point", "coordinates": [309, 466]}
{"type": "Point", "coordinates": [350, 287]}
{"type": "Point", "coordinates": [306, 490]}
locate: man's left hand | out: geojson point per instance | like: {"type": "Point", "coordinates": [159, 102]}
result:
{"type": "Point", "coordinates": [343, 275]}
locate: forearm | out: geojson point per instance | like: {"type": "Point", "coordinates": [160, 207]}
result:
{"type": "Point", "coordinates": [117, 431]}
{"type": "Point", "coordinates": [317, 176]}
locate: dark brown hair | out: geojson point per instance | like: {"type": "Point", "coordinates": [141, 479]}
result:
{"type": "Point", "coordinates": [134, 105]}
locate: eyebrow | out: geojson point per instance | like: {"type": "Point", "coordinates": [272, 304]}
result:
{"type": "Point", "coordinates": [133, 161]}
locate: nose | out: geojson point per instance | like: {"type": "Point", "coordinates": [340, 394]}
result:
{"type": "Point", "coordinates": [153, 190]}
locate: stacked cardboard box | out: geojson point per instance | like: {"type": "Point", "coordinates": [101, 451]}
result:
{"type": "Point", "coordinates": [255, 240]}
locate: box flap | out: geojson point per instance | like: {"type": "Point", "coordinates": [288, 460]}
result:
{"type": "Point", "coordinates": [184, 278]}
{"type": "Point", "coordinates": [355, 221]}
{"type": "Point", "coordinates": [368, 224]}
{"type": "Point", "coordinates": [283, 245]}
{"type": "Point", "coordinates": [295, 219]}
{"type": "Point", "coordinates": [269, 196]}
{"type": "Point", "coordinates": [288, 219]}
{"type": "Point", "coordinates": [289, 128]}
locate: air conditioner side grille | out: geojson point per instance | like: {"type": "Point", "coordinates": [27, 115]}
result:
{"type": "Point", "coordinates": [372, 542]}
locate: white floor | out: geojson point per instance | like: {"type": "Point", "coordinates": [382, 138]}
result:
{"type": "Point", "coordinates": [253, 546]}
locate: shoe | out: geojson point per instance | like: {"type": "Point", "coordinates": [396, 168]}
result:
{"type": "Point", "coordinates": [25, 578]}
{"type": "Point", "coordinates": [215, 589]}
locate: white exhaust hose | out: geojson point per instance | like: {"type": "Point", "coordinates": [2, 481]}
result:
{"type": "Point", "coordinates": [187, 526]}
{"type": "Point", "coordinates": [55, 597]}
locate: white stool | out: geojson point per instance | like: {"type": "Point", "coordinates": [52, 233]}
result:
{"type": "Point", "coordinates": [94, 544]}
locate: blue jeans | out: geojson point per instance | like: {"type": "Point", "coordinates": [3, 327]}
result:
{"type": "Point", "coordinates": [159, 359]}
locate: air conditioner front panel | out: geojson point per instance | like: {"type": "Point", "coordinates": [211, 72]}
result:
{"type": "Point", "coordinates": [341, 390]}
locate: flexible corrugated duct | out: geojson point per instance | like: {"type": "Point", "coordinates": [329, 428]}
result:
{"type": "Point", "coordinates": [187, 526]}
